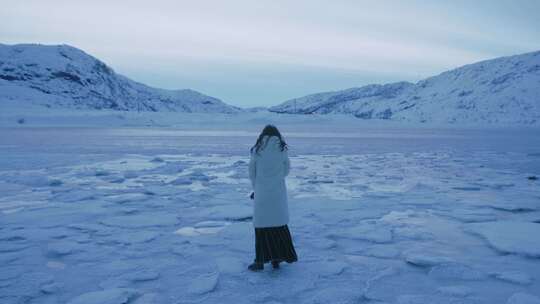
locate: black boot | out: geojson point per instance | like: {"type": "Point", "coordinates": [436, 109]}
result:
{"type": "Point", "coordinates": [275, 264]}
{"type": "Point", "coordinates": [256, 266]}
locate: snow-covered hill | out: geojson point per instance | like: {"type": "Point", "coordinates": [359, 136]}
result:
{"type": "Point", "coordinates": [62, 76]}
{"type": "Point", "coordinates": [505, 90]}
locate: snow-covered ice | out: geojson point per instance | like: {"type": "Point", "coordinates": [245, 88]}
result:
{"type": "Point", "coordinates": [384, 215]}
{"type": "Point", "coordinates": [510, 236]}
{"type": "Point", "coordinates": [523, 298]}
{"type": "Point", "coordinates": [107, 296]}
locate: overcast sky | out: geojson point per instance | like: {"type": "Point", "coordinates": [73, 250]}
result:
{"type": "Point", "coordinates": [258, 52]}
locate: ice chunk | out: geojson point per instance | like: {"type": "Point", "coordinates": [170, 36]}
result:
{"type": "Point", "coordinates": [205, 227]}
{"type": "Point", "coordinates": [323, 243]}
{"type": "Point", "coordinates": [523, 298]}
{"type": "Point", "coordinates": [141, 220]}
{"type": "Point", "coordinates": [239, 163]}
{"type": "Point", "coordinates": [467, 188]}
{"type": "Point", "coordinates": [368, 231]}
{"type": "Point", "coordinates": [33, 180]}
{"type": "Point", "coordinates": [199, 176]}
{"type": "Point", "coordinates": [187, 231]}
{"type": "Point", "coordinates": [141, 276]}
{"type": "Point", "coordinates": [511, 203]}
{"type": "Point", "coordinates": [455, 291]}
{"type": "Point", "coordinates": [230, 265]}
{"type": "Point", "coordinates": [377, 286]}
{"type": "Point", "coordinates": [204, 283]}
{"type": "Point", "coordinates": [148, 298]}
{"type": "Point", "coordinates": [86, 227]}
{"type": "Point", "coordinates": [515, 206]}
{"type": "Point", "coordinates": [396, 217]}
{"type": "Point", "coordinates": [426, 258]}
{"type": "Point", "coordinates": [337, 294]}
{"type": "Point", "coordinates": [61, 248]}
{"type": "Point", "coordinates": [412, 233]}
{"type": "Point", "coordinates": [130, 174]}
{"type": "Point", "coordinates": [229, 212]}
{"type": "Point", "coordinates": [182, 180]}
{"type": "Point", "coordinates": [75, 196]}
{"type": "Point", "coordinates": [55, 265]}
{"type": "Point", "coordinates": [107, 296]}
{"type": "Point", "coordinates": [510, 236]}
{"type": "Point", "coordinates": [127, 198]}
{"type": "Point", "coordinates": [381, 251]}
{"type": "Point", "coordinates": [115, 282]}
{"type": "Point", "coordinates": [320, 181]}
{"type": "Point", "coordinates": [430, 299]}
{"type": "Point", "coordinates": [191, 231]}
{"type": "Point", "coordinates": [471, 216]}
{"type": "Point", "coordinates": [516, 277]}
{"type": "Point", "coordinates": [101, 172]}
{"type": "Point", "coordinates": [113, 178]}
{"type": "Point", "coordinates": [134, 237]}
{"type": "Point", "coordinates": [456, 271]}
{"type": "Point", "coordinates": [55, 182]}
{"type": "Point", "coordinates": [50, 288]}
{"type": "Point", "coordinates": [330, 268]}
{"type": "Point", "coordinates": [211, 224]}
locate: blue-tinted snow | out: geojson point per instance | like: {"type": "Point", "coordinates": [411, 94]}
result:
{"type": "Point", "coordinates": [381, 215]}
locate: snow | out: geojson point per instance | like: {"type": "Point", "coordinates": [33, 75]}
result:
{"type": "Point", "coordinates": [61, 248]}
{"type": "Point", "coordinates": [228, 265]}
{"type": "Point", "coordinates": [422, 258]}
{"type": "Point", "coordinates": [191, 231]}
{"type": "Point", "coordinates": [39, 78]}
{"type": "Point", "coordinates": [510, 236]}
{"type": "Point", "coordinates": [141, 221]}
{"type": "Point", "coordinates": [456, 271]}
{"type": "Point", "coordinates": [498, 91]}
{"type": "Point", "coordinates": [203, 283]}
{"type": "Point", "coordinates": [107, 296]}
{"type": "Point", "coordinates": [456, 291]}
{"type": "Point", "coordinates": [61, 76]}
{"type": "Point", "coordinates": [422, 298]}
{"type": "Point", "coordinates": [368, 230]}
{"type": "Point", "coordinates": [523, 298]}
{"type": "Point", "coordinates": [399, 222]}
{"type": "Point", "coordinates": [516, 277]}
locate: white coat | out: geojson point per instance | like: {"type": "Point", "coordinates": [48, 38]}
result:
{"type": "Point", "coordinates": [267, 171]}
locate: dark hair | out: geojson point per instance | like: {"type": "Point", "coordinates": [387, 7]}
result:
{"type": "Point", "coordinates": [269, 130]}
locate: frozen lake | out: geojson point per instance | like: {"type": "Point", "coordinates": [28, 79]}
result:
{"type": "Point", "coordinates": [76, 142]}
{"type": "Point", "coordinates": [161, 215]}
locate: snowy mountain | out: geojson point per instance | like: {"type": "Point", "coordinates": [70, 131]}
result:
{"type": "Point", "coordinates": [503, 90]}
{"type": "Point", "coordinates": [62, 76]}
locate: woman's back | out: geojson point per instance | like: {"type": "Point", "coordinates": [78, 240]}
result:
{"type": "Point", "coordinates": [268, 167]}
{"type": "Point", "coordinates": [270, 160]}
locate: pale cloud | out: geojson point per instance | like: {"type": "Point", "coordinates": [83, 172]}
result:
{"type": "Point", "coordinates": [164, 42]}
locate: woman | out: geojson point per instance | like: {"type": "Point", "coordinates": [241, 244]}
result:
{"type": "Point", "coordinates": [268, 166]}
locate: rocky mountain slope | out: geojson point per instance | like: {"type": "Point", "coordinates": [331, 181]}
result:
{"type": "Point", "coordinates": [62, 76]}
{"type": "Point", "coordinates": [503, 90]}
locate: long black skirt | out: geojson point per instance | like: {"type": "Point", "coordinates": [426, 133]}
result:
{"type": "Point", "coordinates": [274, 244]}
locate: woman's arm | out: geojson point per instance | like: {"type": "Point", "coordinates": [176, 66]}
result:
{"type": "Point", "coordinates": [252, 170]}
